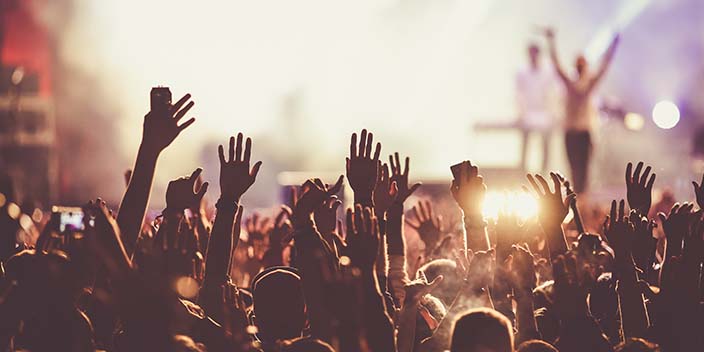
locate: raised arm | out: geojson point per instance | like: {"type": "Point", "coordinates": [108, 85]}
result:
{"type": "Point", "coordinates": [468, 189]}
{"type": "Point", "coordinates": [621, 233]}
{"type": "Point", "coordinates": [315, 259]}
{"type": "Point", "coordinates": [394, 229]}
{"type": "Point", "coordinates": [552, 48]}
{"type": "Point", "coordinates": [363, 245]}
{"type": "Point", "coordinates": [553, 209]}
{"type": "Point", "coordinates": [236, 177]}
{"type": "Point", "coordinates": [605, 62]}
{"type": "Point", "coordinates": [160, 129]}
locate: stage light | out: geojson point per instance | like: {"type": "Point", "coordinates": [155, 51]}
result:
{"type": "Point", "coordinates": [634, 121]}
{"type": "Point", "coordinates": [519, 203]}
{"type": "Point", "coordinates": [666, 115]}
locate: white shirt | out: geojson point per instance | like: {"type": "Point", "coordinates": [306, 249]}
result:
{"type": "Point", "coordinates": [536, 94]}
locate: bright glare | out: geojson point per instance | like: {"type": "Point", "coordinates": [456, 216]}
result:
{"type": "Point", "coordinates": [666, 115]}
{"type": "Point", "coordinates": [634, 121]}
{"type": "Point", "coordinates": [521, 204]}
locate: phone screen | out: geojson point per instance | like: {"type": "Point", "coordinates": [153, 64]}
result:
{"type": "Point", "coordinates": [71, 221]}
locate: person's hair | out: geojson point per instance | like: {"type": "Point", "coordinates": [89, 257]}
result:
{"type": "Point", "coordinates": [536, 346]}
{"type": "Point", "coordinates": [635, 344]}
{"type": "Point", "coordinates": [305, 344]}
{"type": "Point", "coordinates": [482, 329]}
{"type": "Point", "coordinates": [279, 304]}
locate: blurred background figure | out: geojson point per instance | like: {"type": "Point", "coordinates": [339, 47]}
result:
{"type": "Point", "coordinates": [536, 98]}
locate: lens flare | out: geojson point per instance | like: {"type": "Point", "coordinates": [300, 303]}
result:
{"type": "Point", "coordinates": [519, 203]}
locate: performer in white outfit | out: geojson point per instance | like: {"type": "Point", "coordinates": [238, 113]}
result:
{"type": "Point", "coordinates": [536, 95]}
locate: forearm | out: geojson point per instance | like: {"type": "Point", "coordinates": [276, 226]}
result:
{"type": "Point", "coordinates": [379, 329]}
{"type": "Point", "coordinates": [476, 236]}
{"type": "Point", "coordinates": [634, 315]}
{"type": "Point", "coordinates": [555, 238]}
{"type": "Point", "coordinates": [525, 318]}
{"type": "Point", "coordinates": [407, 327]}
{"type": "Point", "coordinates": [314, 262]}
{"type": "Point", "coordinates": [220, 244]}
{"type": "Point", "coordinates": [134, 202]}
{"type": "Point", "coordinates": [398, 277]}
{"type": "Point", "coordinates": [552, 48]}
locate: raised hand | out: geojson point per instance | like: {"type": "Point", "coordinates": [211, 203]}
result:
{"type": "Point", "coordinates": [572, 285]}
{"type": "Point", "coordinates": [362, 238]}
{"type": "Point", "coordinates": [469, 190]}
{"type": "Point", "coordinates": [257, 228]}
{"type": "Point", "coordinates": [362, 167]}
{"type": "Point", "coordinates": [639, 188]}
{"type": "Point", "coordinates": [693, 250]}
{"type": "Point", "coordinates": [105, 239]}
{"type": "Point", "coordinates": [699, 192]}
{"type": "Point", "coordinates": [385, 191]}
{"type": "Point", "coordinates": [325, 217]}
{"type": "Point", "coordinates": [180, 194]}
{"type": "Point", "coordinates": [549, 33]}
{"type": "Point", "coordinates": [400, 177]}
{"type": "Point", "coordinates": [428, 226]}
{"type": "Point", "coordinates": [620, 231]}
{"type": "Point", "coordinates": [522, 273]}
{"type": "Point", "coordinates": [676, 225]}
{"type": "Point", "coordinates": [481, 269]}
{"type": "Point", "coordinates": [279, 237]}
{"type": "Point", "coordinates": [418, 288]}
{"type": "Point", "coordinates": [235, 174]}
{"type": "Point", "coordinates": [553, 207]}
{"type": "Point", "coordinates": [173, 251]}
{"type": "Point", "coordinates": [313, 195]}
{"type": "Point", "coordinates": [644, 245]}
{"type": "Point", "coordinates": [161, 128]}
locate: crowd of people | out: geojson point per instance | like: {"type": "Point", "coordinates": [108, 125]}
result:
{"type": "Point", "coordinates": [310, 280]}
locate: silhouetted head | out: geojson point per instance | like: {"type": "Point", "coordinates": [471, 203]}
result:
{"type": "Point", "coordinates": [306, 344]}
{"type": "Point", "coordinates": [451, 283]}
{"type": "Point", "coordinates": [534, 54]}
{"type": "Point", "coordinates": [536, 346]}
{"type": "Point", "coordinates": [482, 330]}
{"type": "Point", "coordinates": [279, 305]}
{"type": "Point", "coordinates": [635, 344]}
{"type": "Point", "coordinates": [581, 65]}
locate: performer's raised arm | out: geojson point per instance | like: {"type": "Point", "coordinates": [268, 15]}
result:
{"type": "Point", "coordinates": [550, 35]}
{"type": "Point", "coordinates": [605, 62]}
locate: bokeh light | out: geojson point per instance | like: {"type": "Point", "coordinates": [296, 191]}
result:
{"type": "Point", "coordinates": [634, 121]}
{"type": "Point", "coordinates": [666, 115]}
